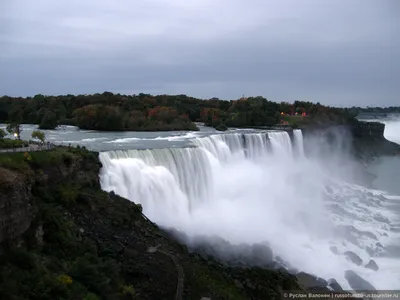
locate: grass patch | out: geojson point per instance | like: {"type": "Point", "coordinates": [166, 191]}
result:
{"type": "Point", "coordinates": [14, 161]}
{"type": "Point", "coordinates": [297, 121]}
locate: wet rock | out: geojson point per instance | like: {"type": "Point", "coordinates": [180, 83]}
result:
{"type": "Point", "coordinates": [334, 250]}
{"type": "Point", "coordinates": [372, 265]}
{"type": "Point", "coordinates": [382, 219]}
{"type": "Point", "coordinates": [311, 281]}
{"type": "Point", "coordinates": [370, 251]}
{"type": "Point", "coordinates": [358, 283]}
{"type": "Point", "coordinates": [383, 198]}
{"type": "Point", "coordinates": [334, 285]}
{"type": "Point", "coordinates": [353, 257]}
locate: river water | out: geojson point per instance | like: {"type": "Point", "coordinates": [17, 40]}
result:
{"type": "Point", "coordinates": [252, 186]}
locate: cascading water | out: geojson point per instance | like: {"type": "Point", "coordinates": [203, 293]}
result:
{"type": "Point", "coordinates": [299, 144]}
{"type": "Point", "coordinates": [255, 187]}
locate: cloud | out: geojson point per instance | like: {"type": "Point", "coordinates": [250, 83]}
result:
{"type": "Point", "coordinates": [334, 52]}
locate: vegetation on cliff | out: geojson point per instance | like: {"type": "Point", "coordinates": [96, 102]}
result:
{"type": "Point", "coordinates": [10, 144]}
{"type": "Point", "coordinates": [67, 239]}
{"type": "Point", "coordinates": [108, 111]}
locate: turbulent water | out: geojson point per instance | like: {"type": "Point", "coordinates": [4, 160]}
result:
{"type": "Point", "coordinates": [250, 186]}
{"type": "Point", "coordinates": [256, 187]}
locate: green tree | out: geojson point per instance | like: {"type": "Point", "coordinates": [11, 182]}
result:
{"type": "Point", "coordinates": [49, 120]}
{"type": "Point", "coordinates": [40, 135]}
{"type": "Point", "coordinates": [15, 129]}
{"type": "Point", "coordinates": [2, 133]}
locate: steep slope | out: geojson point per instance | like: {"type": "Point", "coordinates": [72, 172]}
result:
{"type": "Point", "coordinates": [64, 238]}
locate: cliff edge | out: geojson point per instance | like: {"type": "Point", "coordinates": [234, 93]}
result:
{"type": "Point", "coordinates": [62, 237]}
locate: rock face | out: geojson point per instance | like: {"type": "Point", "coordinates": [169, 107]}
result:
{"type": "Point", "coordinates": [310, 281]}
{"type": "Point", "coordinates": [106, 245]}
{"type": "Point", "coordinates": [353, 257]}
{"type": "Point", "coordinates": [357, 283]}
{"type": "Point", "coordinates": [16, 208]}
{"type": "Point", "coordinates": [372, 265]}
{"type": "Point", "coordinates": [334, 250]}
{"type": "Point", "coordinates": [16, 212]}
{"type": "Point", "coordinates": [334, 285]}
{"type": "Point", "coordinates": [242, 255]}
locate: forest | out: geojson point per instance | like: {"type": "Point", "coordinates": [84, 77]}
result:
{"type": "Point", "coordinates": [144, 112]}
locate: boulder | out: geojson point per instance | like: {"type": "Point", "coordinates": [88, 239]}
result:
{"type": "Point", "coordinates": [334, 250]}
{"type": "Point", "coordinates": [353, 257]}
{"type": "Point", "coordinates": [310, 281]}
{"type": "Point", "coordinates": [358, 283]}
{"type": "Point", "coordinates": [372, 265]}
{"type": "Point", "coordinates": [334, 285]}
{"type": "Point", "coordinates": [370, 251]}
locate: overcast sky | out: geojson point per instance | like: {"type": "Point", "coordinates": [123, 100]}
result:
{"type": "Point", "coordinates": [338, 52]}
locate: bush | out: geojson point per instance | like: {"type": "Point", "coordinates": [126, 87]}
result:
{"type": "Point", "coordinates": [128, 291]}
{"type": "Point", "coordinates": [91, 296]}
{"type": "Point", "coordinates": [10, 144]}
{"type": "Point", "coordinates": [221, 127]}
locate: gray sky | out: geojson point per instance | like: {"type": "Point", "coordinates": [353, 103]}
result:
{"type": "Point", "coordinates": [338, 52]}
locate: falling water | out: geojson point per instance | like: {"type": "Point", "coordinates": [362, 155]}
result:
{"type": "Point", "coordinates": [256, 187]}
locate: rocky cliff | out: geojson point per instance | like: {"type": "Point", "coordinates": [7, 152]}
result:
{"type": "Point", "coordinates": [64, 238]}
{"type": "Point", "coordinates": [364, 140]}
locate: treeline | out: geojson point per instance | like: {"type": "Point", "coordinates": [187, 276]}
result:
{"type": "Point", "coordinates": [389, 109]}
{"type": "Point", "coordinates": [144, 112]}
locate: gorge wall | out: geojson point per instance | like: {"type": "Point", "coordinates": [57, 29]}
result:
{"type": "Point", "coordinates": [65, 238]}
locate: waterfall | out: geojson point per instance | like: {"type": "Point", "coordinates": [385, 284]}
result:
{"type": "Point", "coordinates": [181, 178]}
{"type": "Point", "coordinates": [255, 187]}
{"type": "Point", "coordinates": [280, 143]}
{"type": "Point", "coordinates": [298, 142]}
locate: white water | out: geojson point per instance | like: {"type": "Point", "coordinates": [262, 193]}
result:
{"type": "Point", "coordinates": [392, 130]}
{"type": "Point", "coordinates": [252, 188]}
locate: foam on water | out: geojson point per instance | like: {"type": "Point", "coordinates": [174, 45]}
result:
{"type": "Point", "coordinates": [173, 137]}
{"type": "Point", "coordinates": [256, 187]}
{"type": "Point", "coordinates": [392, 130]}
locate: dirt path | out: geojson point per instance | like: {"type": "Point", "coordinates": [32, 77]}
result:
{"type": "Point", "coordinates": [31, 148]}
{"type": "Point", "coordinates": [181, 274]}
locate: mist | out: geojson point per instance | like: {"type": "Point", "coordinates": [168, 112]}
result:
{"type": "Point", "coordinates": [295, 198]}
